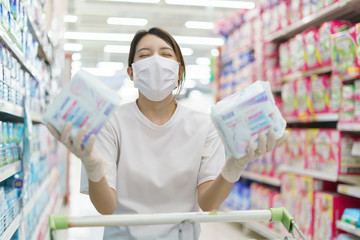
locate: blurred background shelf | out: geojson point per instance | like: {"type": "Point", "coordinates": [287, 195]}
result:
{"type": "Point", "coordinates": [348, 228]}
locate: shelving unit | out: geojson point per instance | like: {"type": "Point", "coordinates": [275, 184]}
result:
{"type": "Point", "coordinates": [16, 113]}
{"type": "Point", "coordinates": [9, 170]}
{"type": "Point", "coordinates": [263, 179]}
{"type": "Point", "coordinates": [27, 208]}
{"type": "Point", "coordinates": [350, 127]}
{"type": "Point", "coordinates": [263, 230]}
{"type": "Point", "coordinates": [346, 9]}
{"type": "Point", "coordinates": [353, 191]}
{"type": "Point", "coordinates": [11, 229]}
{"type": "Point", "coordinates": [321, 117]}
{"type": "Point", "coordinates": [36, 32]}
{"type": "Point", "coordinates": [348, 228]}
{"type": "Point", "coordinates": [309, 73]}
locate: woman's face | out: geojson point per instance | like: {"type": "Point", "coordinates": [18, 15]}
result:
{"type": "Point", "coordinates": [150, 45]}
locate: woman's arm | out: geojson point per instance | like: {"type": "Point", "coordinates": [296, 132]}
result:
{"type": "Point", "coordinates": [212, 193]}
{"type": "Point", "coordinates": [102, 196]}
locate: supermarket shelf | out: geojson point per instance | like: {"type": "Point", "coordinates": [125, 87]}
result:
{"type": "Point", "coordinates": [261, 178]}
{"type": "Point", "coordinates": [11, 229]}
{"type": "Point", "coordinates": [311, 173]}
{"type": "Point", "coordinates": [350, 127]}
{"type": "Point", "coordinates": [309, 73]}
{"type": "Point", "coordinates": [14, 112]}
{"type": "Point", "coordinates": [353, 191]}
{"type": "Point", "coordinates": [320, 117]}
{"type": "Point", "coordinates": [44, 218]}
{"type": "Point", "coordinates": [4, 36]}
{"type": "Point", "coordinates": [9, 170]}
{"type": "Point", "coordinates": [29, 206]}
{"type": "Point", "coordinates": [262, 230]}
{"type": "Point", "coordinates": [348, 228]}
{"type": "Point", "coordinates": [345, 9]}
{"type": "Point", "coordinates": [350, 179]}
{"type": "Point", "coordinates": [36, 32]}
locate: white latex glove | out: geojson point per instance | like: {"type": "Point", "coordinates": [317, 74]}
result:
{"type": "Point", "coordinates": [96, 167]}
{"type": "Point", "coordinates": [234, 166]}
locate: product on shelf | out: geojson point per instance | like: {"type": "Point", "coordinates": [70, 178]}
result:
{"type": "Point", "coordinates": [343, 55]}
{"type": "Point", "coordinates": [328, 209]}
{"type": "Point", "coordinates": [320, 93]}
{"type": "Point", "coordinates": [239, 197]}
{"type": "Point", "coordinates": [242, 116]}
{"type": "Point", "coordinates": [351, 216]}
{"type": "Point", "coordinates": [296, 148]}
{"type": "Point", "coordinates": [289, 101]}
{"type": "Point", "coordinates": [346, 236]}
{"type": "Point", "coordinates": [313, 59]}
{"type": "Point", "coordinates": [336, 84]}
{"type": "Point", "coordinates": [357, 101]}
{"type": "Point", "coordinates": [347, 104]}
{"type": "Point", "coordinates": [303, 99]}
{"type": "Point", "coordinates": [84, 101]}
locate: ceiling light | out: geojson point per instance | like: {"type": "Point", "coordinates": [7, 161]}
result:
{"type": "Point", "coordinates": [187, 51]}
{"type": "Point", "coordinates": [199, 25]}
{"type": "Point", "coordinates": [110, 65]}
{"type": "Point", "coordinates": [70, 18]}
{"type": "Point", "coordinates": [76, 57]}
{"type": "Point", "coordinates": [203, 61]}
{"type": "Point", "coordinates": [117, 48]}
{"type": "Point", "coordinates": [214, 52]}
{"type": "Point", "coordinates": [100, 72]}
{"type": "Point", "coordinates": [99, 36]}
{"type": "Point", "coordinates": [133, 1]}
{"type": "Point", "coordinates": [75, 47]}
{"type": "Point", "coordinates": [127, 21]}
{"type": "Point", "coordinates": [213, 3]}
{"type": "Point", "coordinates": [199, 40]}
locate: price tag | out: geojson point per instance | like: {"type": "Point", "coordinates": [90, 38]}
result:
{"type": "Point", "coordinates": [355, 151]}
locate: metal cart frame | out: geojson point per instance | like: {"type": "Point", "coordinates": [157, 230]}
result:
{"type": "Point", "coordinates": [57, 222]}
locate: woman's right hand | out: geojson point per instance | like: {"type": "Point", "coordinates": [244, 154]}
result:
{"type": "Point", "coordinates": [96, 167]}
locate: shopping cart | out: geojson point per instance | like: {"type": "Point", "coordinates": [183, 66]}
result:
{"type": "Point", "coordinates": [57, 222]}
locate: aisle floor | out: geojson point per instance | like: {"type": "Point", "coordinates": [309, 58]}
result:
{"type": "Point", "coordinates": [80, 205]}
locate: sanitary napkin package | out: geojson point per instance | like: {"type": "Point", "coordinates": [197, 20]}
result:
{"type": "Point", "coordinates": [84, 101]}
{"type": "Point", "coordinates": [240, 117]}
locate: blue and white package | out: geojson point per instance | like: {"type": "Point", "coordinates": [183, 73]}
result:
{"type": "Point", "coordinates": [84, 101]}
{"type": "Point", "coordinates": [240, 117]}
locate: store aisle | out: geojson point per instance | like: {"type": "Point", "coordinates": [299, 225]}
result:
{"type": "Point", "coordinates": [80, 205]}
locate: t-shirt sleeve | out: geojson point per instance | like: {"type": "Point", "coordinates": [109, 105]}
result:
{"type": "Point", "coordinates": [106, 143]}
{"type": "Point", "coordinates": [213, 157]}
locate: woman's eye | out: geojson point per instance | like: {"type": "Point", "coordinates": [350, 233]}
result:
{"type": "Point", "coordinates": [167, 54]}
{"type": "Point", "coordinates": [144, 55]}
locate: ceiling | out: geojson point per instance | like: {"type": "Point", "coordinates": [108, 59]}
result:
{"type": "Point", "coordinates": [92, 17]}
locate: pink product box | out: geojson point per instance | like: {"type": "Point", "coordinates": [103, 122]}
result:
{"type": "Point", "coordinates": [328, 150]}
{"type": "Point", "coordinates": [320, 93]}
{"type": "Point", "coordinates": [313, 59]}
{"type": "Point", "coordinates": [288, 96]}
{"type": "Point", "coordinates": [295, 10]}
{"type": "Point", "coordinates": [343, 54]}
{"type": "Point", "coordinates": [336, 84]}
{"type": "Point", "coordinates": [347, 104]}
{"type": "Point", "coordinates": [303, 99]}
{"type": "Point", "coordinates": [296, 150]}
{"type": "Point", "coordinates": [357, 101]}
{"type": "Point", "coordinates": [284, 58]}
{"type": "Point", "coordinates": [297, 194]}
{"type": "Point", "coordinates": [325, 32]}
{"type": "Point", "coordinates": [329, 208]}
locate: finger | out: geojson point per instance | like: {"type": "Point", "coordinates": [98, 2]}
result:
{"type": "Point", "coordinates": [53, 131]}
{"type": "Point", "coordinates": [90, 144]}
{"type": "Point", "coordinates": [283, 138]}
{"type": "Point", "coordinates": [65, 136]}
{"type": "Point", "coordinates": [251, 149]}
{"type": "Point", "coordinates": [79, 138]}
{"type": "Point", "coordinates": [261, 143]}
{"type": "Point", "coordinates": [271, 141]}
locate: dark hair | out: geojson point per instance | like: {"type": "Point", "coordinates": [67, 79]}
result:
{"type": "Point", "coordinates": [164, 35]}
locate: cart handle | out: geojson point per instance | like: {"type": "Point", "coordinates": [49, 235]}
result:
{"type": "Point", "coordinates": [57, 222]}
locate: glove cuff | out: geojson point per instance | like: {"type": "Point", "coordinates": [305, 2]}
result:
{"type": "Point", "coordinates": [232, 169]}
{"type": "Point", "coordinates": [96, 173]}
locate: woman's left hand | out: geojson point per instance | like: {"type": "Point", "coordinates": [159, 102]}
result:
{"type": "Point", "coordinates": [234, 166]}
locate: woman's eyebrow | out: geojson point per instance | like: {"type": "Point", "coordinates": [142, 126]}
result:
{"type": "Point", "coordinates": [141, 49]}
{"type": "Point", "coordinates": [166, 48]}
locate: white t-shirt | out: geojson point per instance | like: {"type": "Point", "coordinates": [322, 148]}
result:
{"type": "Point", "coordinates": [157, 169]}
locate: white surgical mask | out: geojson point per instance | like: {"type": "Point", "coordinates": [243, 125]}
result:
{"type": "Point", "coordinates": [156, 76]}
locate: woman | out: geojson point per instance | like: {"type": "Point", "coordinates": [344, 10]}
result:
{"type": "Point", "coordinates": [154, 155]}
